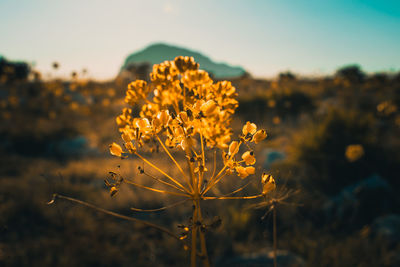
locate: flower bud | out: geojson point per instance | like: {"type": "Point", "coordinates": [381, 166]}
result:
{"type": "Point", "coordinates": [116, 150]}
{"type": "Point", "coordinates": [249, 128]}
{"type": "Point", "coordinates": [243, 172]}
{"type": "Point", "coordinates": [249, 158]}
{"type": "Point", "coordinates": [209, 108]}
{"type": "Point", "coordinates": [127, 136]}
{"type": "Point", "coordinates": [268, 183]}
{"type": "Point", "coordinates": [259, 136]}
{"type": "Point", "coordinates": [233, 148]}
{"type": "Point", "coordinates": [164, 117]}
{"type": "Point", "coordinates": [143, 125]}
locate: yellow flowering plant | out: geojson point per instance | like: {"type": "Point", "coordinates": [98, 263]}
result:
{"type": "Point", "coordinates": [184, 111]}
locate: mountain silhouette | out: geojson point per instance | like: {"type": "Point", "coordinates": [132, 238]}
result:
{"type": "Point", "coordinates": [157, 53]}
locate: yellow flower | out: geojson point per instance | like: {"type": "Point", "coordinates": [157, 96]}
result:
{"type": "Point", "coordinates": [199, 80]}
{"type": "Point", "coordinates": [136, 90]}
{"type": "Point", "coordinates": [143, 125]}
{"type": "Point", "coordinates": [178, 132]}
{"type": "Point", "coordinates": [197, 105]}
{"type": "Point", "coordinates": [243, 172]}
{"type": "Point", "coordinates": [249, 128]}
{"type": "Point", "coordinates": [170, 143]}
{"type": "Point", "coordinates": [127, 135]}
{"type": "Point", "coordinates": [186, 143]}
{"type": "Point", "coordinates": [164, 117]}
{"type": "Point", "coordinates": [125, 118]}
{"type": "Point", "coordinates": [209, 108]}
{"type": "Point", "coordinates": [259, 136]}
{"type": "Point", "coordinates": [131, 148]}
{"type": "Point", "coordinates": [183, 117]}
{"type": "Point", "coordinates": [354, 152]}
{"type": "Point", "coordinates": [161, 120]}
{"type": "Point", "coordinates": [116, 150]}
{"type": "Point", "coordinates": [233, 148]}
{"type": "Point", "coordinates": [268, 183]}
{"type": "Point", "coordinates": [249, 158]}
{"type": "Point", "coordinates": [223, 140]}
{"type": "Point", "coordinates": [185, 63]}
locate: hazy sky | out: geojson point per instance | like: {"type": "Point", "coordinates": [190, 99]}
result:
{"type": "Point", "coordinates": [265, 37]}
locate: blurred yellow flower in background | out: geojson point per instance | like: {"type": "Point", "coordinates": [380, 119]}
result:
{"type": "Point", "coordinates": [354, 152]}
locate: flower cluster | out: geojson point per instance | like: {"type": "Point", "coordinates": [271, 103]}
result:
{"type": "Point", "coordinates": [243, 167]}
{"type": "Point", "coordinates": [181, 106]}
{"type": "Point", "coordinates": [184, 102]}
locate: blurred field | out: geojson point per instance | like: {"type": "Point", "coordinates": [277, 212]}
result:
{"type": "Point", "coordinates": [54, 138]}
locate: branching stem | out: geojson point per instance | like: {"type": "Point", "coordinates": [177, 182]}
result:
{"type": "Point", "coordinates": [156, 190]}
{"type": "Point", "coordinates": [176, 163]}
{"type": "Point", "coordinates": [117, 215]}
{"type": "Point", "coordinates": [162, 172]}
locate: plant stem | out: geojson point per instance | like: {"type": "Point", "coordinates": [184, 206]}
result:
{"type": "Point", "coordinates": [275, 235]}
{"type": "Point", "coordinates": [162, 172]}
{"type": "Point", "coordinates": [194, 236]}
{"type": "Point", "coordinates": [213, 180]}
{"type": "Point", "coordinates": [203, 163]}
{"type": "Point", "coordinates": [155, 190]}
{"type": "Point", "coordinates": [203, 244]}
{"type": "Point", "coordinates": [174, 160]}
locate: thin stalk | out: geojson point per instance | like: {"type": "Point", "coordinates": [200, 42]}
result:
{"type": "Point", "coordinates": [162, 208]}
{"type": "Point", "coordinates": [163, 182]}
{"type": "Point", "coordinates": [214, 178]}
{"type": "Point", "coordinates": [175, 105]}
{"type": "Point", "coordinates": [220, 176]}
{"type": "Point", "coordinates": [275, 241]}
{"type": "Point", "coordinates": [162, 172]}
{"type": "Point", "coordinates": [237, 190]}
{"type": "Point", "coordinates": [215, 163]}
{"type": "Point", "coordinates": [156, 190]}
{"type": "Point", "coordinates": [248, 197]}
{"type": "Point", "coordinates": [184, 96]}
{"type": "Point", "coordinates": [203, 159]}
{"type": "Point", "coordinates": [173, 159]}
{"type": "Point", "coordinates": [191, 174]}
{"type": "Point", "coordinates": [194, 152]}
{"type": "Point", "coordinates": [203, 244]}
{"type": "Point", "coordinates": [195, 195]}
{"type": "Point", "coordinates": [117, 215]}
{"type": "Point", "coordinates": [193, 253]}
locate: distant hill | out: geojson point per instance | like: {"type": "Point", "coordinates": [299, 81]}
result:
{"type": "Point", "coordinates": [157, 53]}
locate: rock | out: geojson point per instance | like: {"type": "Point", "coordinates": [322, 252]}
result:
{"type": "Point", "coordinates": [360, 203]}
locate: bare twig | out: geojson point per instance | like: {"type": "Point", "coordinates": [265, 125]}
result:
{"type": "Point", "coordinates": [117, 215]}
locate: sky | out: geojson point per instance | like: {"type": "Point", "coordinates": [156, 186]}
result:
{"type": "Point", "coordinates": [266, 37]}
